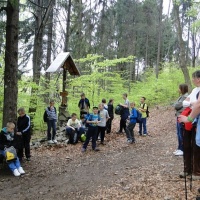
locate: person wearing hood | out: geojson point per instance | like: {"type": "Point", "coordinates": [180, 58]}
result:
{"type": "Point", "coordinates": [6, 141]}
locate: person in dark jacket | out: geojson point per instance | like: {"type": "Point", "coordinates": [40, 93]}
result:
{"type": "Point", "coordinates": [7, 139]}
{"type": "Point", "coordinates": [125, 113]}
{"type": "Point", "coordinates": [111, 114]}
{"type": "Point", "coordinates": [178, 105]}
{"type": "Point", "coordinates": [23, 129]}
{"type": "Point", "coordinates": [84, 105]}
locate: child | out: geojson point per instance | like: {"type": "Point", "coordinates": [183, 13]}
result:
{"type": "Point", "coordinates": [102, 125]}
{"type": "Point", "coordinates": [23, 129]}
{"type": "Point", "coordinates": [92, 121]}
{"type": "Point", "coordinates": [105, 106]}
{"type": "Point", "coordinates": [74, 129]}
{"type": "Point", "coordinates": [7, 140]}
{"type": "Point", "coordinates": [131, 124]}
{"type": "Point", "coordinates": [111, 115]}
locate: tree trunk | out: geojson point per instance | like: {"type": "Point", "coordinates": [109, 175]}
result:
{"type": "Point", "coordinates": [182, 59]}
{"type": "Point", "coordinates": [11, 63]}
{"type": "Point", "coordinates": [49, 50]}
{"type": "Point", "coordinates": [159, 37]}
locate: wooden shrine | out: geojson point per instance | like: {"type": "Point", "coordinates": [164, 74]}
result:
{"type": "Point", "coordinates": [65, 63]}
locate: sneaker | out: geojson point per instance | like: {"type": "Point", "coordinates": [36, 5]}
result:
{"type": "Point", "coordinates": [144, 135]}
{"type": "Point", "coordinates": [83, 150]}
{"type": "Point", "coordinates": [20, 170]}
{"type": "Point", "coordinates": [175, 151]}
{"type": "Point", "coordinates": [179, 153]}
{"type": "Point", "coordinates": [50, 142]}
{"type": "Point", "coordinates": [184, 174]}
{"type": "Point", "coordinates": [129, 141]}
{"type": "Point", "coordinates": [55, 141]}
{"type": "Point", "coordinates": [96, 149]}
{"type": "Point", "coordinates": [16, 172]}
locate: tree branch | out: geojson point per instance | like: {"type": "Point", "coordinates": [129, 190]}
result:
{"type": "Point", "coordinates": [37, 4]}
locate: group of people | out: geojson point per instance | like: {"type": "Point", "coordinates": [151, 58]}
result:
{"type": "Point", "coordinates": [187, 109]}
{"type": "Point", "coordinates": [93, 125]}
{"type": "Point", "coordinates": [18, 137]}
{"type": "Point", "coordinates": [99, 122]}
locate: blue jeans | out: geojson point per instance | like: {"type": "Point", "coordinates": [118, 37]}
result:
{"type": "Point", "coordinates": [143, 125]}
{"type": "Point", "coordinates": [74, 135]}
{"type": "Point", "coordinates": [179, 130]}
{"type": "Point", "coordinates": [12, 165]}
{"type": "Point", "coordinates": [51, 124]}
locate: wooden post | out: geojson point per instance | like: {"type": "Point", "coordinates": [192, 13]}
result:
{"type": "Point", "coordinates": [64, 98]}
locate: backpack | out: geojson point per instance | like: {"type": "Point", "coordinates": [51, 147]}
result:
{"type": "Point", "coordinates": [10, 154]}
{"type": "Point", "coordinates": [139, 116]}
{"type": "Point", "coordinates": [45, 116]}
{"type": "Point", "coordinates": [147, 110]}
{"type": "Point", "coordinates": [118, 110]}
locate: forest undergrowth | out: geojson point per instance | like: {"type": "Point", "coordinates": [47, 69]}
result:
{"type": "Point", "coordinates": [144, 170]}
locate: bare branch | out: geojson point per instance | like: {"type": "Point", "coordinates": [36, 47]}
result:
{"type": "Point", "coordinates": [37, 4]}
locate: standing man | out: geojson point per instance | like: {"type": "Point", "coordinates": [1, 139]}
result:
{"type": "Point", "coordinates": [23, 129]}
{"type": "Point", "coordinates": [84, 105]}
{"type": "Point", "coordinates": [142, 124]}
{"type": "Point", "coordinates": [51, 123]}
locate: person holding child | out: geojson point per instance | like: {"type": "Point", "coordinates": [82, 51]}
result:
{"type": "Point", "coordinates": [74, 129]}
{"type": "Point", "coordinates": [7, 139]}
{"type": "Point", "coordinates": [93, 121]}
{"type": "Point", "coordinates": [131, 124]}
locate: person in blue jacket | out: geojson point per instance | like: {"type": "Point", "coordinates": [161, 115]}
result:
{"type": "Point", "coordinates": [131, 124]}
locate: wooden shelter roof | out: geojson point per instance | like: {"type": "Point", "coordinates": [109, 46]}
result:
{"type": "Point", "coordinates": [64, 60]}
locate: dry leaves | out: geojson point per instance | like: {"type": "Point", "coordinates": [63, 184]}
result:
{"type": "Point", "coordinates": [145, 170]}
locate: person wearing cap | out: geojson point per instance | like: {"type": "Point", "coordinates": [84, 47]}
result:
{"type": "Point", "coordinates": [93, 120]}
{"type": "Point", "coordinates": [84, 105]}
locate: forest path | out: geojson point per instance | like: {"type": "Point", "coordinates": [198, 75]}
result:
{"type": "Point", "coordinates": [144, 170]}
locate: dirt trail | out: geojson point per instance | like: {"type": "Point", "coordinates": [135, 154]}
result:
{"type": "Point", "coordinates": [145, 170]}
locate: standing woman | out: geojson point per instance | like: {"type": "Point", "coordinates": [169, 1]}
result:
{"type": "Point", "coordinates": [178, 105]}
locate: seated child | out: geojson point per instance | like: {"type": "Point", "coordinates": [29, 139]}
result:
{"type": "Point", "coordinates": [131, 124]}
{"type": "Point", "coordinates": [74, 129]}
{"type": "Point", "coordinates": [7, 140]}
{"type": "Point", "coordinates": [92, 121]}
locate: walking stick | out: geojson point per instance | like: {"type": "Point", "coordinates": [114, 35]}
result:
{"type": "Point", "coordinates": [184, 165]}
